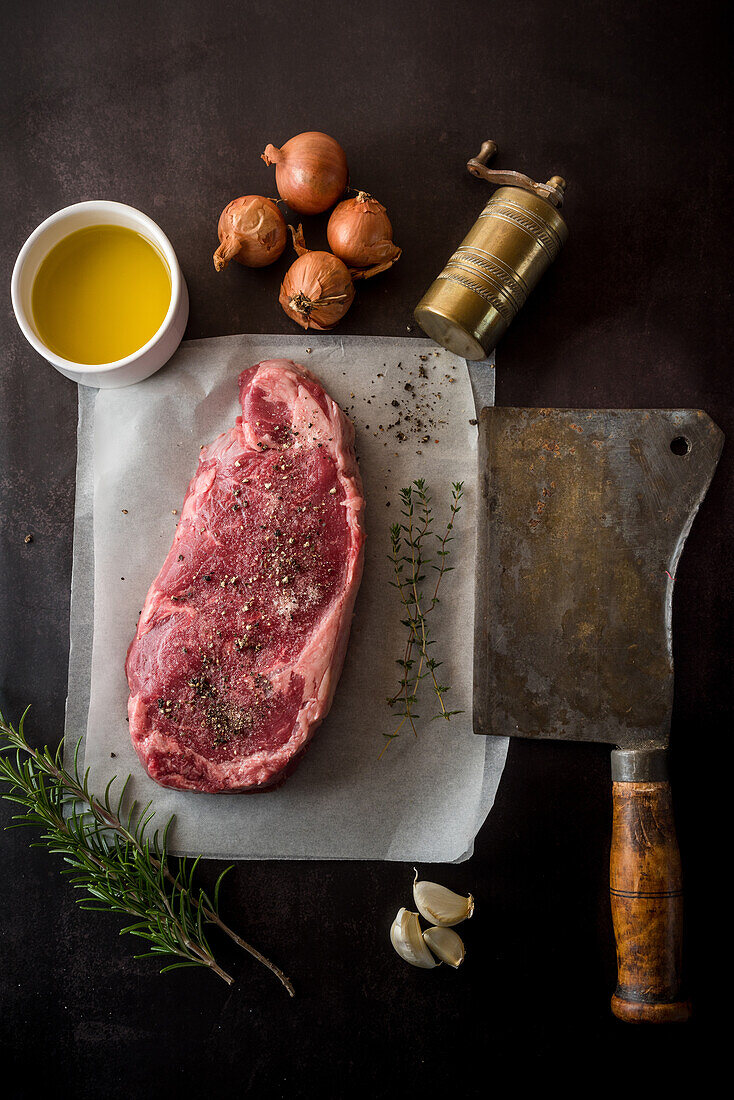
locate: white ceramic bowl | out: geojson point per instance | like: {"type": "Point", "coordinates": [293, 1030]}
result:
{"type": "Point", "coordinates": [159, 349]}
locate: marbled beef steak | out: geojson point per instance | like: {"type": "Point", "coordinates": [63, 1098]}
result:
{"type": "Point", "coordinates": [243, 633]}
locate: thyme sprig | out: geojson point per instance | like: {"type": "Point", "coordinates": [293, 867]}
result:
{"type": "Point", "coordinates": [112, 859]}
{"type": "Point", "coordinates": [410, 554]}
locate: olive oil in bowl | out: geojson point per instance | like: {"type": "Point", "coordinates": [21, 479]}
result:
{"type": "Point", "coordinates": [100, 294]}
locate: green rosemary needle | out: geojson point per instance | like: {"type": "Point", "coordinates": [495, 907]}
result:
{"type": "Point", "coordinates": [112, 860]}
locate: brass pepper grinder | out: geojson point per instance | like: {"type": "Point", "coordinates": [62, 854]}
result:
{"type": "Point", "coordinates": [513, 241]}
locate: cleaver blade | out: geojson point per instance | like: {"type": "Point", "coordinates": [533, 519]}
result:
{"type": "Point", "coordinates": [583, 514]}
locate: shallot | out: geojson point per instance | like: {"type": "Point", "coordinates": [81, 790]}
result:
{"type": "Point", "coordinates": [310, 171]}
{"type": "Point", "coordinates": [252, 231]}
{"type": "Point", "coordinates": [360, 234]}
{"type": "Point", "coordinates": [317, 289]}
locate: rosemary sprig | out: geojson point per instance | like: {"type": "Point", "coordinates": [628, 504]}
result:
{"type": "Point", "coordinates": [112, 860]}
{"type": "Point", "coordinates": [409, 554]}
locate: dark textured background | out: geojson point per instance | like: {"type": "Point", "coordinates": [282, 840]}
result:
{"type": "Point", "coordinates": [167, 106]}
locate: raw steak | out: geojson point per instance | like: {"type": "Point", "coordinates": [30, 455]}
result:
{"type": "Point", "coordinates": [243, 633]}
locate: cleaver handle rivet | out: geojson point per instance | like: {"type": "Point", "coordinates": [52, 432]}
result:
{"type": "Point", "coordinates": [646, 891]}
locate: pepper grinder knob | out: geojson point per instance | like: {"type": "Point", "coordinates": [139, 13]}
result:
{"type": "Point", "coordinates": [488, 150]}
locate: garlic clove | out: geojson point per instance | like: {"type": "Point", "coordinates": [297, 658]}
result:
{"type": "Point", "coordinates": [446, 944]}
{"type": "Point", "coordinates": [406, 938]}
{"type": "Point", "coordinates": [439, 905]}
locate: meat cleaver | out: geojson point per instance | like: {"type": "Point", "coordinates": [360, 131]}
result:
{"type": "Point", "coordinates": [582, 518]}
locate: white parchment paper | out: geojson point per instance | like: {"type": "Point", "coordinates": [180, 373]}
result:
{"type": "Point", "coordinates": [137, 450]}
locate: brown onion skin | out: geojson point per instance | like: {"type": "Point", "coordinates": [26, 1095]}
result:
{"type": "Point", "coordinates": [311, 171]}
{"type": "Point", "coordinates": [360, 233]}
{"type": "Point", "coordinates": [310, 279]}
{"type": "Point", "coordinates": [252, 231]}
{"type": "Point", "coordinates": [317, 289]}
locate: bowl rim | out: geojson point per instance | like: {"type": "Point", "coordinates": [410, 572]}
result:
{"type": "Point", "coordinates": [100, 206]}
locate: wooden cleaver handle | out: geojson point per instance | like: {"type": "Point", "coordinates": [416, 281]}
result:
{"type": "Point", "coordinates": [646, 891]}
